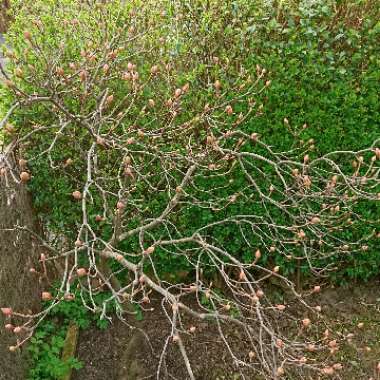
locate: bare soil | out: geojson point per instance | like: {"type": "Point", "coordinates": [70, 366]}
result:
{"type": "Point", "coordinates": [123, 353]}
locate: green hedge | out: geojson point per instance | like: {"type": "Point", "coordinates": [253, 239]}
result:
{"type": "Point", "coordinates": [323, 60]}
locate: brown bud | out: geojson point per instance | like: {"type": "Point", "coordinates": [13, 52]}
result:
{"type": "Point", "coordinates": [279, 343]}
{"type": "Point", "coordinates": [24, 176]}
{"type": "Point", "coordinates": [77, 195]}
{"type": "Point", "coordinates": [280, 371]}
{"type": "Point", "coordinates": [150, 250]}
{"type": "Point", "coordinates": [46, 296]}
{"type": "Point", "coordinates": [69, 297]}
{"type": "Point", "coordinates": [100, 140]}
{"type": "Point", "coordinates": [154, 70]}
{"type": "Point", "coordinates": [120, 205]}
{"type": "Point", "coordinates": [178, 92]}
{"type": "Point", "coordinates": [22, 163]}
{"type": "Point", "coordinates": [242, 276]}
{"type": "Point", "coordinates": [217, 85]}
{"type": "Point", "coordinates": [17, 330]}
{"type": "Point", "coordinates": [315, 220]}
{"type": "Point", "coordinates": [78, 243]}
{"type": "Point", "coordinates": [254, 136]}
{"type": "Point", "coordinates": [328, 371]}
{"type": "Point", "coordinates": [27, 35]}
{"type": "Point", "coordinates": [7, 311]}
{"type": "Point", "coordinates": [210, 140]}
{"type": "Point", "coordinates": [19, 73]}
{"type": "Point", "coordinates": [311, 347]}
{"type": "Point", "coordinates": [81, 272]}
{"type": "Point", "coordinates": [337, 366]}
{"type": "Point", "coordinates": [83, 75]}
{"type": "Point", "coordinates": [60, 71]}
{"type": "Point", "coordinates": [306, 322]}
{"type": "Point", "coordinates": [301, 234]}
{"type": "Point", "coordinates": [109, 99]}
{"type": "Point", "coordinates": [127, 76]}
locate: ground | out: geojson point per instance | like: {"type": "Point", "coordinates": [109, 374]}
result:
{"type": "Point", "coordinates": [110, 355]}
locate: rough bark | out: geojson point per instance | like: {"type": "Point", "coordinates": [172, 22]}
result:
{"type": "Point", "coordinates": [19, 288]}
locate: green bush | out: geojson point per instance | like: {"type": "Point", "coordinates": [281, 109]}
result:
{"type": "Point", "coordinates": [322, 59]}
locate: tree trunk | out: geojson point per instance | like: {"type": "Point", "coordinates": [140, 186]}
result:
{"type": "Point", "coordinates": [19, 289]}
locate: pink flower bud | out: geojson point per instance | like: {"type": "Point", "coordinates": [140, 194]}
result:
{"type": "Point", "coordinates": [150, 250]}
{"type": "Point", "coordinates": [178, 92]}
{"type": "Point", "coordinates": [17, 330]}
{"type": "Point", "coordinates": [306, 322]}
{"type": "Point", "coordinates": [229, 110]}
{"type": "Point", "coordinates": [120, 205]}
{"type": "Point", "coordinates": [77, 195]}
{"type": "Point", "coordinates": [81, 272]}
{"type": "Point", "coordinates": [7, 311]}
{"type": "Point", "coordinates": [46, 296]}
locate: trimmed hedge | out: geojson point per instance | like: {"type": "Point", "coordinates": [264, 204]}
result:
{"type": "Point", "coordinates": [323, 58]}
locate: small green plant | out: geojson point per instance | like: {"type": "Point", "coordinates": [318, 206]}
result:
{"type": "Point", "coordinates": [45, 352]}
{"type": "Point", "coordinates": [45, 348]}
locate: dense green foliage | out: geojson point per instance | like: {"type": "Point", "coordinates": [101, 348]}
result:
{"type": "Point", "coordinates": [322, 57]}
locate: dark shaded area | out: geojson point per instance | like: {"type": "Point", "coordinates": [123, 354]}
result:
{"type": "Point", "coordinates": [4, 19]}
{"type": "Point", "coordinates": [124, 353]}
{"type": "Point", "coordinates": [19, 289]}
